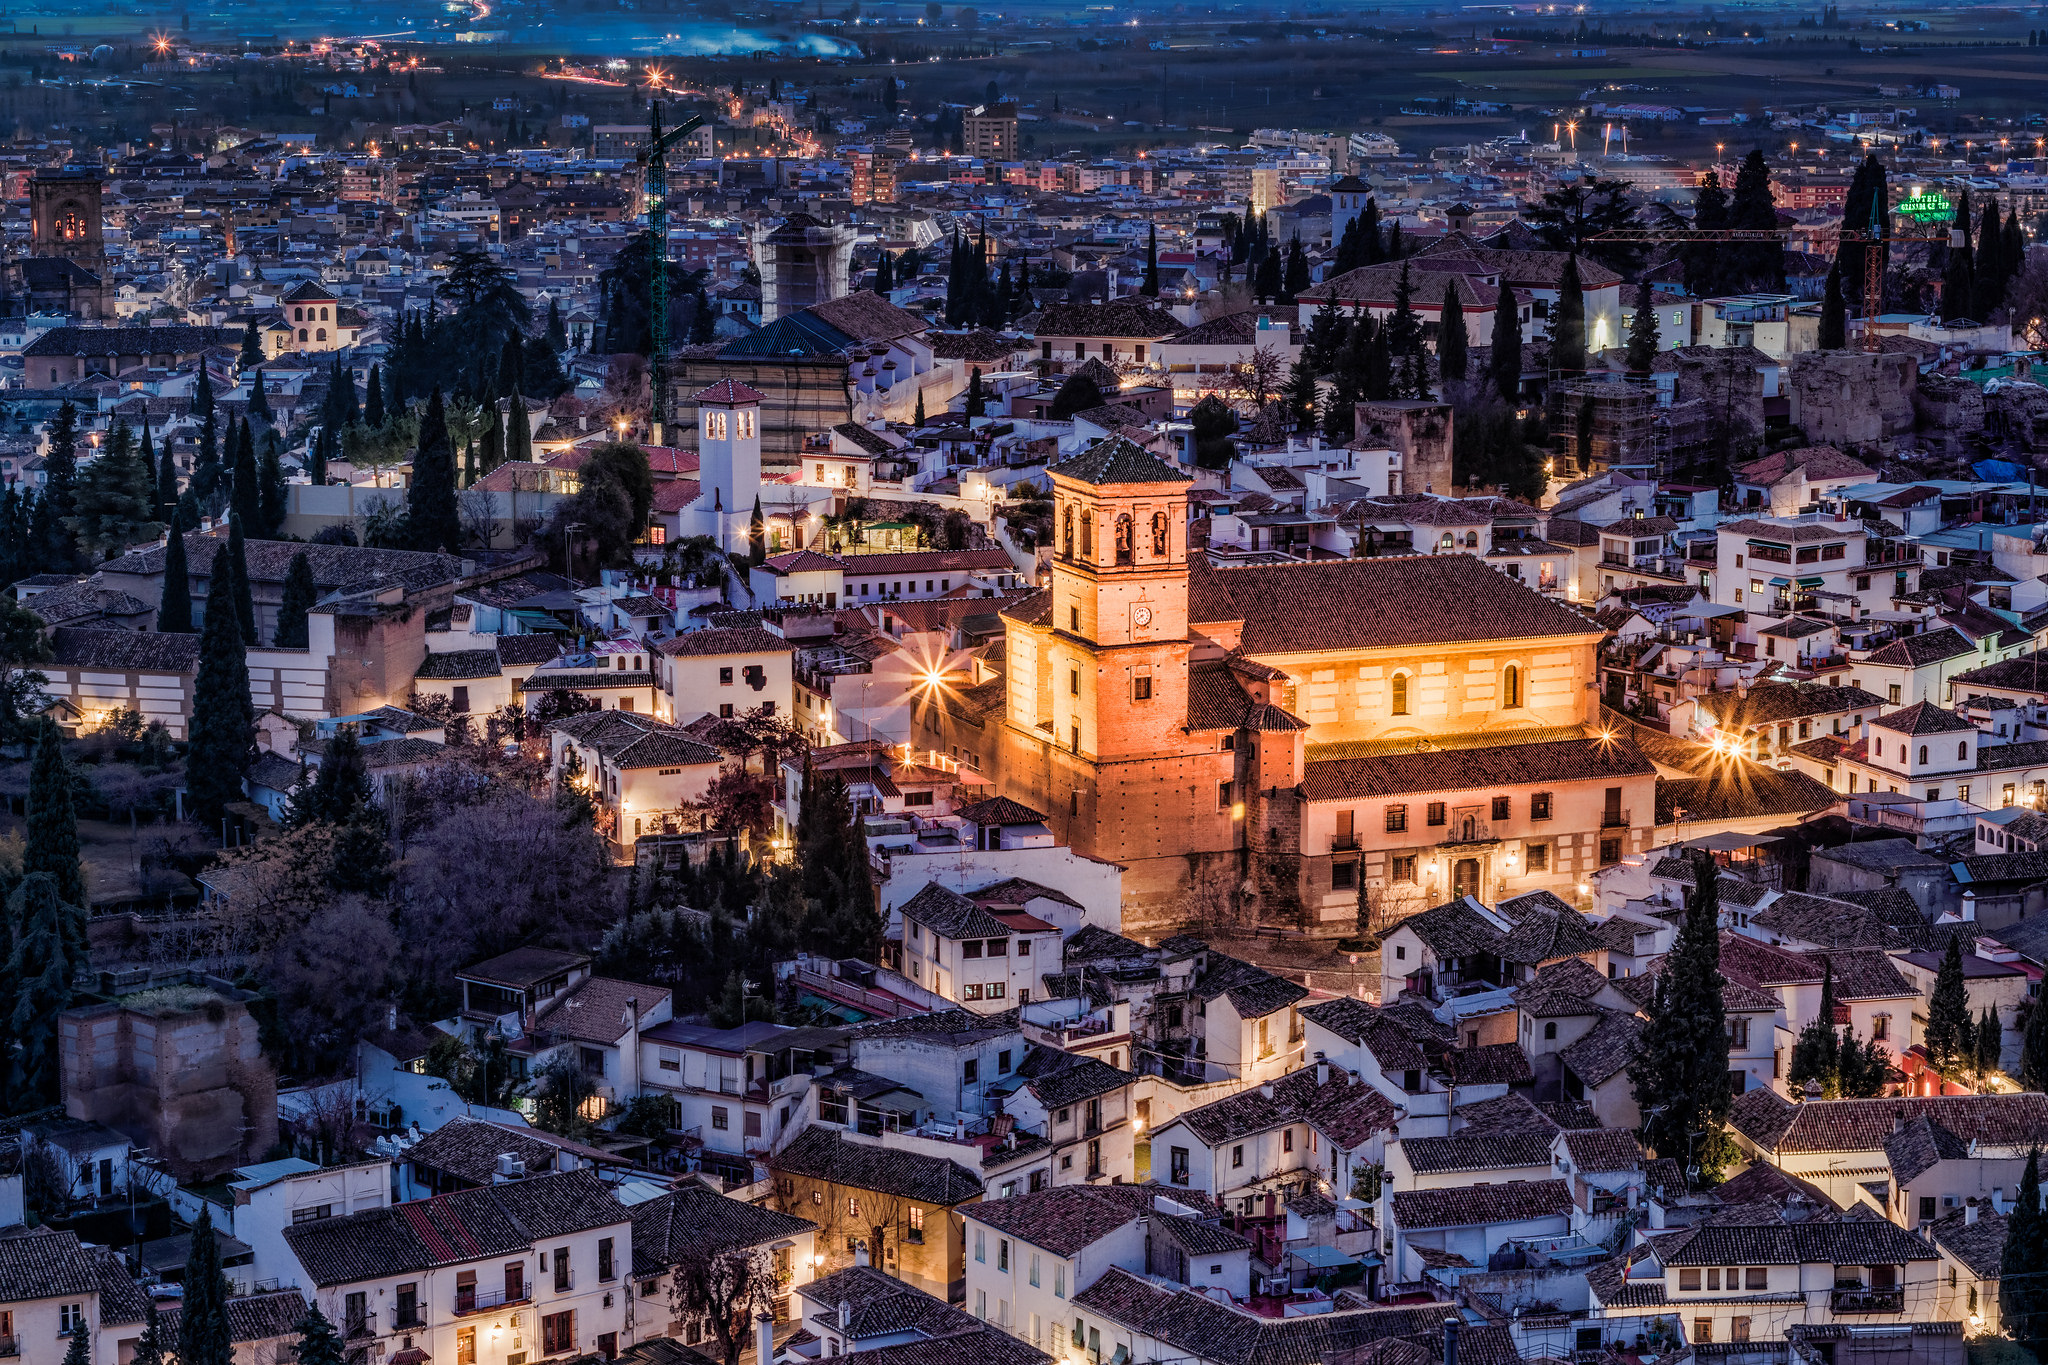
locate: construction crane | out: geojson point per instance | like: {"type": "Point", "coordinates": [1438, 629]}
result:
{"type": "Point", "coordinates": [656, 203]}
{"type": "Point", "coordinates": [1873, 260]}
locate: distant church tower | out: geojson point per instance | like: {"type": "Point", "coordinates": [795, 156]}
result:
{"type": "Point", "coordinates": [802, 260]}
{"type": "Point", "coordinates": [67, 263]}
{"type": "Point", "coordinates": [728, 462]}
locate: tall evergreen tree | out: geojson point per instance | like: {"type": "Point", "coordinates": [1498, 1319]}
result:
{"type": "Point", "coordinates": [1817, 1052]}
{"type": "Point", "coordinates": [1266, 279]}
{"type": "Point", "coordinates": [202, 395]}
{"type": "Point", "coordinates": [174, 609]}
{"type": "Point", "coordinates": [78, 1351]}
{"type": "Point", "coordinates": [1350, 249]}
{"type": "Point", "coordinates": [1959, 276]}
{"type": "Point", "coordinates": [299, 596]}
{"type": "Point", "coordinates": [166, 472]}
{"type": "Point", "coordinates": [1990, 1041]}
{"type": "Point", "coordinates": [1642, 330]}
{"type": "Point", "coordinates": [430, 504]}
{"type": "Point", "coordinates": [519, 433]}
{"type": "Point", "coordinates": [1150, 288]}
{"type": "Point", "coordinates": [1988, 288]}
{"type": "Point", "coordinates": [58, 503]}
{"type": "Point", "coordinates": [1568, 323]}
{"type": "Point", "coordinates": [340, 790]}
{"type": "Point", "coordinates": [1752, 209]}
{"type": "Point", "coordinates": [757, 535]}
{"type": "Point", "coordinates": [222, 719]}
{"type": "Point", "coordinates": [259, 399]}
{"type": "Point", "coordinates": [1372, 248]}
{"type": "Point", "coordinates": [153, 1344]}
{"type": "Point", "coordinates": [115, 497]}
{"type": "Point", "coordinates": [1680, 1072]}
{"type": "Point", "coordinates": [245, 494]}
{"type": "Point", "coordinates": [252, 348]}
{"type": "Point", "coordinates": [2022, 1296]}
{"type": "Point", "coordinates": [1404, 334]}
{"type": "Point", "coordinates": [272, 504]}
{"type": "Point", "coordinates": [52, 834]}
{"type": "Point", "coordinates": [977, 397]}
{"type": "Point", "coordinates": [373, 401]}
{"type": "Point", "coordinates": [46, 957]}
{"type": "Point", "coordinates": [885, 274]}
{"type": "Point", "coordinates": [1706, 271]}
{"type": "Point", "coordinates": [2034, 1049]}
{"type": "Point", "coordinates": [1451, 340]}
{"type": "Point", "coordinates": [1506, 358]}
{"type": "Point", "coordinates": [1948, 1012]}
{"type": "Point", "coordinates": [1296, 276]}
{"type": "Point", "coordinates": [1834, 313]}
{"type": "Point", "coordinates": [205, 1336]}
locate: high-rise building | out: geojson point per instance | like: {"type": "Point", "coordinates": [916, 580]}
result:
{"type": "Point", "coordinates": [989, 131]}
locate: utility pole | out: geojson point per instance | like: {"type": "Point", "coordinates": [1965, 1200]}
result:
{"type": "Point", "coordinates": [656, 207]}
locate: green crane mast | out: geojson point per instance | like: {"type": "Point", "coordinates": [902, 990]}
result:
{"type": "Point", "coordinates": [658, 144]}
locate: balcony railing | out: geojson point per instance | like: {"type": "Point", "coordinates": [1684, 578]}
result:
{"type": "Point", "coordinates": [10, 1346]}
{"type": "Point", "coordinates": [362, 1325]}
{"type": "Point", "coordinates": [1343, 843]}
{"type": "Point", "coordinates": [483, 1301]}
{"type": "Point", "coordinates": [1614, 819]}
{"type": "Point", "coordinates": [403, 1321]}
{"type": "Point", "coordinates": [1892, 1300]}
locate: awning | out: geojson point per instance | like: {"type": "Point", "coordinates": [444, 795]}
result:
{"type": "Point", "coordinates": [1781, 582]}
{"type": "Point", "coordinates": [1321, 1257]}
{"type": "Point", "coordinates": [1812, 582]}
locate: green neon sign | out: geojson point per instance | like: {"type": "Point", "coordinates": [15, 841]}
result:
{"type": "Point", "coordinates": [1927, 208]}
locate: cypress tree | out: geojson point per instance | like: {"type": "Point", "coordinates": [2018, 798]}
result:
{"type": "Point", "coordinates": [1150, 288]}
{"type": "Point", "coordinates": [47, 955]}
{"type": "Point", "coordinates": [2021, 1297]}
{"type": "Point", "coordinates": [1990, 1040]}
{"type": "Point", "coordinates": [1834, 313]}
{"type": "Point", "coordinates": [1507, 347]}
{"type": "Point", "coordinates": [252, 348]}
{"type": "Point", "coordinates": [1296, 277]}
{"type": "Point", "coordinates": [174, 609]}
{"type": "Point", "coordinates": [977, 398]}
{"type": "Point", "coordinates": [493, 453]}
{"type": "Point", "coordinates": [114, 499]}
{"type": "Point", "coordinates": [757, 535]}
{"type": "Point", "coordinates": [1989, 284]}
{"type": "Point", "coordinates": [222, 720]}
{"type": "Point", "coordinates": [1568, 323]}
{"type": "Point", "coordinates": [1266, 279]}
{"type": "Point", "coordinates": [204, 1335]}
{"type": "Point", "coordinates": [206, 464]}
{"type": "Point", "coordinates": [1817, 1053]}
{"type": "Point", "coordinates": [1959, 277]}
{"type": "Point", "coordinates": [373, 401]}
{"type": "Point", "coordinates": [52, 835]}
{"type": "Point", "coordinates": [1372, 248]}
{"type": "Point", "coordinates": [918, 418]}
{"type": "Point", "coordinates": [78, 1352]}
{"type": "Point", "coordinates": [1948, 1012]}
{"type": "Point", "coordinates": [318, 1342]}
{"type": "Point", "coordinates": [1680, 1072]}
{"type": "Point", "coordinates": [149, 1350]}
{"type": "Point", "coordinates": [344, 385]}
{"type": "Point", "coordinates": [202, 395]}
{"type": "Point", "coordinates": [885, 274]}
{"type": "Point", "coordinates": [240, 596]}
{"type": "Point", "coordinates": [430, 504]}
{"type": "Point", "coordinates": [58, 503]}
{"type": "Point", "coordinates": [1350, 250]}
{"type": "Point", "coordinates": [245, 496]}
{"type": "Point", "coordinates": [1752, 209]}
{"type": "Point", "coordinates": [1451, 341]}
{"type": "Point", "coordinates": [166, 480]}
{"type": "Point", "coordinates": [519, 433]}
{"type": "Point", "coordinates": [1642, 330]}
{"type": "Point", "coordinates": [1706, 263]}
{"type": "Point", "coordinates": [2034, 1049]}
{"type": "Point", "coordinates": [299, 596]}
{"type": "Point", "coordinates": [321, 451]}
{"type": "Point", "coordinates": [271, 496]}
{"type": "Point", "coordinates": [259, 399]}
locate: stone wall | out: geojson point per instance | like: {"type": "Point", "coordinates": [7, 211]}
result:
{"type": "Point", "coordinates": [1421, 431]}
{"type": "Point", "coordinates": [179, 1070]}
{"type": "Point", "coordinates": [1851, 399]}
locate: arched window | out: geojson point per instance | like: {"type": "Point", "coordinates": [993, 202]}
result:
{"type": "Point", "coordinates": [323, 315]}
{"type": "Point", "coordinates": [1159, 549]}
{"type": "Point", "coordinates": [298, 315]}
{"type": "Point", "coordinates": [1511, 686]}
{"type": "Point", "coordinates": [1067, 533]}
{"type": "Point", "coordinates": [1400, 707]}
{"type": "Point", "coordinates": [1962, 748]}
{"type": "Point", "coordinates": [1447, 544]}
{"type": "Point", "coordinates": [322, 335]}
{"type": "Point", "coordinates": [1923, 753]}
{"type": "Point", "coordinates": [302, 334]}
{"type": "Point", "coordinates": [1088, 534]}
{"type": "Point", "coordinates": [1471, 540]}
{"type": "Point", "coordinates": [1126, 535]}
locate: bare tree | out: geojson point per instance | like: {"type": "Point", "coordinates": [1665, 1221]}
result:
{"type": "Point", "coordinates": [478, 510]}
{"type": "Point", "coordinates": [1256, 376]}
{"type": "Point", "coordinates": [726, 1287]}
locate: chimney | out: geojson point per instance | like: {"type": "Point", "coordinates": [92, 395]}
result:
{"type": "Point", "coordinates": [845, 1308]}
{"type": "Point", "coordinates": [1970, 1213]}
{"type": "Point", "coordinates": [764, 1339]}
{"type": "Point", "coordinates": [1450, 1341]}
{"type": "Point", "coordinates": [860, 1254]}
{"type": "Point", "coordinates": [1969, 907]}
{"type": "Point", "coordinates": [1266, 1089]}
{"type": "Point", "coordinates": [1322, 1069]}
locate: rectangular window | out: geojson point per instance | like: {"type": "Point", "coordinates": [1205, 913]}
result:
{"type": "Point", "coordinates": [1738, 1328]}
{"type": "Point", "coordinates": [1002, 1253]}
{"type": "Point", "coordinates": [1610, 851]}
{"type": "Point", "coordinates": [459, 700]}
{"type": "Point", "coordinates": [1539, 857]}
{"type": "Point", "coordinates": [1738, 1034]}
{"type": "Point", "coordinates": [1702, 1331]}
{"type": "Point", "coordinates": [970, 947]}
{"type": "Point", "coordinates": [1343, 876]}
{"type": "Point", "coordinates": [1059, 1279]}
{"type": "Point", "coordinates": [1713, 1278]}
{"type": "Point", "coordinates": [1435, 813]}
{"type": "Point", "coordinates": [1034, 1270]}
{"type": "Point", "coordinates": [1880, 1026]}
{"type": "Point", "coordinates": [1689, 1281]}
{"type": "Point", "coordinates": [558, 1333]}
{"type": "Point", "coordinates": [1756, 1277]}
{"type": "Point", "coordinates": [1927, 1209]}
{"type": "Point", "coordinates": [465, 1346]}
{"type": "Point", "coordinates": [970, 992]}
{"type": "Point", "coordinates": [1397, 819]}
{"type": "Point", "coordinates": [981, 1246]}
{"type": "Point", "coordinates": [1403, 868]}
{"type": "Point", "coordinates": [1539, 806]}
{"type": "Point", "coordinates": [1500, 807]}
{"type": "Point", "coordinates": [970, 1071]}
{"type": "Point", "coordinates": [1222, 796]}
{"type": "Point", "coordinates": [1003, 1062]}
{"type": "Point", "coordinates": [1237, 1155]}
{"type": "Point", "coordinates": [313, 1214]}
{"type": "Point", "coordinates": [562, 1270]}
{"type": "Point", "coordinates": [725, 677]}
{"type": "Point", "coordinates": [1141, 688]}
{"type": "Point", "coordinates": [721, 1117]}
